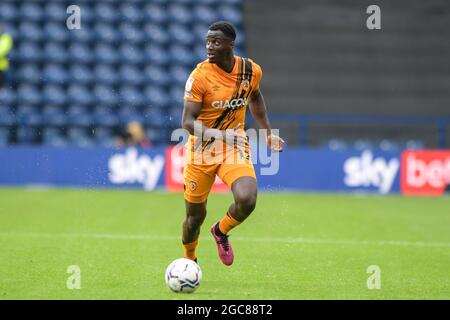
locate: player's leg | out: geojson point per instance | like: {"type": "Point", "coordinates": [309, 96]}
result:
{"type": "Point", "coordinates": [195, 215]}
{"type": "Point", "coordinates": [245, 191]}
{"type": "Point", "coordinates": [242, 180]}
{"type": "Point", "coordinates": [198, 181]}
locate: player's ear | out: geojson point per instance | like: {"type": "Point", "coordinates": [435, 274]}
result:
{"type": "Point", "coordinates": [231, 44]}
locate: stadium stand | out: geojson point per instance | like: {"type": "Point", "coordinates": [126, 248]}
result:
{"type": "Point", "coordinates": [129, 61]}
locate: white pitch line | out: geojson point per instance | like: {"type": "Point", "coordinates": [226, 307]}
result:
{"type": "Point", "coordinates": [417, 244]}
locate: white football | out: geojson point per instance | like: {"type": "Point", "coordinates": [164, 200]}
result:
{"type": "Point", "coordinates": [183, 275]}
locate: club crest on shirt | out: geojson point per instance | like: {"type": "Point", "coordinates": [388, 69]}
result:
{"type": "Point", "coordinates": [245, 84]}
{"type": "Point", "coordinates": [192, 185]}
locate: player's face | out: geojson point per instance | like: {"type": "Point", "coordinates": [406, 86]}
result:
{"type": "Point", "coordinates": [217, 45]}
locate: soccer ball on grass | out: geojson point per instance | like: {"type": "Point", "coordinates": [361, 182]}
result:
{"type": "Point", "coordinates": [183, 275]}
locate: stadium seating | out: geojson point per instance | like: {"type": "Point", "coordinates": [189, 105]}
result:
{"type": "Point", "coordinates": [129, 61]}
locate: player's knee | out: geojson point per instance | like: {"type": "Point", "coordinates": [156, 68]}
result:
{"type": "Point", "coordinates": [194, 221]}
{"type": "Point", "coordinates": [246, 201]}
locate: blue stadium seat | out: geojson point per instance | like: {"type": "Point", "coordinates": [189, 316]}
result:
{"type": "Point", "coordinates": [389, 145]}
{"type": "Point", "coordinates": [414, 144]}
{"type": "Point", "coordinates": [81, 74]}
{"type": "Point", "coordinates": [104, 137]}
{"type": "Point", "coordinates": [157, 136]}
{"type": "Point", "coordinates": [81, 120]}
{"type": "Point", "coordinates": [131, 75]}
{"type": "Point", "coordinates": [155, 75]}
{"type": "Point", "coordinates": [156, 96]}
{"type": "Point", "coordinates": [130, 96]}
{"type": "Point", "coordinates": [208, 2]}
{"type": "Point", "coordinates": [127, 114]}
{"type": "Point", "coordinates": [179, 74]}
{"type": "Point", "coordinates": [30, 31]}
{"type": "Point", "coordinates": [8, 11]}
{"type": "Point", "coordinates": [80, 95]}
{"type": "Point", "coordinates": [104, 118]}
{"type": "Point", "coordinates": [131, 13]}
{"type": "Point", "coordinates": [7, 117]}
{"type": "Point", "coordinates": [102, 132]}
{"type": "Point", "coordinates": [4, 137]}
{"type": "Point", "coordinates": [176, 94]}
{"type": "Point", "coordinates": [54, 137]}
{"type": "Point", "coordinates": [80, 53]}
{"type": "Point", "coordinates": [155, 13]}
{"type": "Point", "coordinates": [200, 53]}
{"type": "Point", "coordinates": [154, 117]}
{"type": "Point", "coordinates": [199, 32]}
{"type": "Point", "coordinates": [336, 144]}
{"type": "Point", "coordinates": [26, 135]}
{"type": "Point", "coordinates": [106, 12]}
{"type": "Point", "coordinates": [131, 54]}
{"type": "Point", "coordinates": [362, 144]}
{"type": "Point", "coordinates": [205, 15]}
{"type": "Point", "coordinates": [106, 53]}
{"type": "Point", "coordinates": [156, 55]}
{"type": "Point", "coordinates": [31, 11]}
{"type": "Point", "coordinates": [56, 11]}
{"type": "Point", "coordinates": [131, 34]}
{"type": "Point", "coordinates": [29, 52]}
{"type": "Point", "coordinates": [79, 137]}
{"type": "Point", "coordinates": [7, 96]}
{"type": "Point", "coordinates": [55, 74]}
{"type": "Point", "coordinates": [54, 117]}
{"type": "Point", "coordinates": [30, 119]}
{"type": "Point", "coordinates": [11, 29]}
{"type": "Point", "coordinates": [181, 34]}
{"type": "Point", "coordinates": [104, 32]}
{"type": "Point", "coordinates": [29, 72]}
{"type": "Point", "coordinates": [182, 56]}
{"type": "Point", "coordinates": [106, 74]}
{"type": "Point", "coordinates": [88, 13]}
{"type": "Point", "coordinates": [54, 95]}
{"type": "Point", "coordinates": [179, 14]}
{"type": "Point", "coordinates": [175, 114]}
{"type": "Point", "coordinates": [230, 13]}
{"type": "Point", "coordinates": [53, 31]}
{"type": "Point", "coordinates": [105, 95]}
{"type": "Point", "coordinates": [28, 94]}
{"type": "Point", "coordinates": [156, 34]}
{"type": "Point", "coordinates": [55, 52]}
{"type": "Point", "coordinates": [84, 34]}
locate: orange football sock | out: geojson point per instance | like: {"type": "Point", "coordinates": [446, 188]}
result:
{"type": "Point", "coordinates": [227, 223]}
{"type": "Point", "coordinates": [189, 249]}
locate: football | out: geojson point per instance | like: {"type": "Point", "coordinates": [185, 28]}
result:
{"type": "Point", "coordinates": [183, 275]}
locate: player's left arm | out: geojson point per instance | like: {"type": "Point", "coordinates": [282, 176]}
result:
{"type": "Point", "coordinates": [259, 112]}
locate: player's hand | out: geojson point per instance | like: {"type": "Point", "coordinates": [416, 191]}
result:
{"type": "Point", "coordinates": [275, 143]}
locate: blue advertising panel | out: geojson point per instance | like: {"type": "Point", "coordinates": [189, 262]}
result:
{"type": "Point", "coordinates": [84, 167]}
{"type": "Point", "coordinates": [295, 169]}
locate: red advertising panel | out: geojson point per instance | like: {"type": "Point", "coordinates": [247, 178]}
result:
{"type": "Point", "coordinates": [425, 172]}
{"type": "Point", "coordinates": [174, 171]}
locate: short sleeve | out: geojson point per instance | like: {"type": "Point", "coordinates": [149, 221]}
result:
{"type": "Point", "coordinates": [194, 89]}
{"type": "Point", "coordinates": [258, 76]}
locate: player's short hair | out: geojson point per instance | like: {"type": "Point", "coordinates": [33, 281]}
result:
{"type": "Point", "coordinates": [226, 27]}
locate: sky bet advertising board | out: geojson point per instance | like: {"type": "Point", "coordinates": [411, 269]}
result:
{"type": "Point", "coordinates": [424, 172]}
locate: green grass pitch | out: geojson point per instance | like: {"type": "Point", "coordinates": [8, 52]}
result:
{"type": "Point", "coordinates": [294, 246]}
